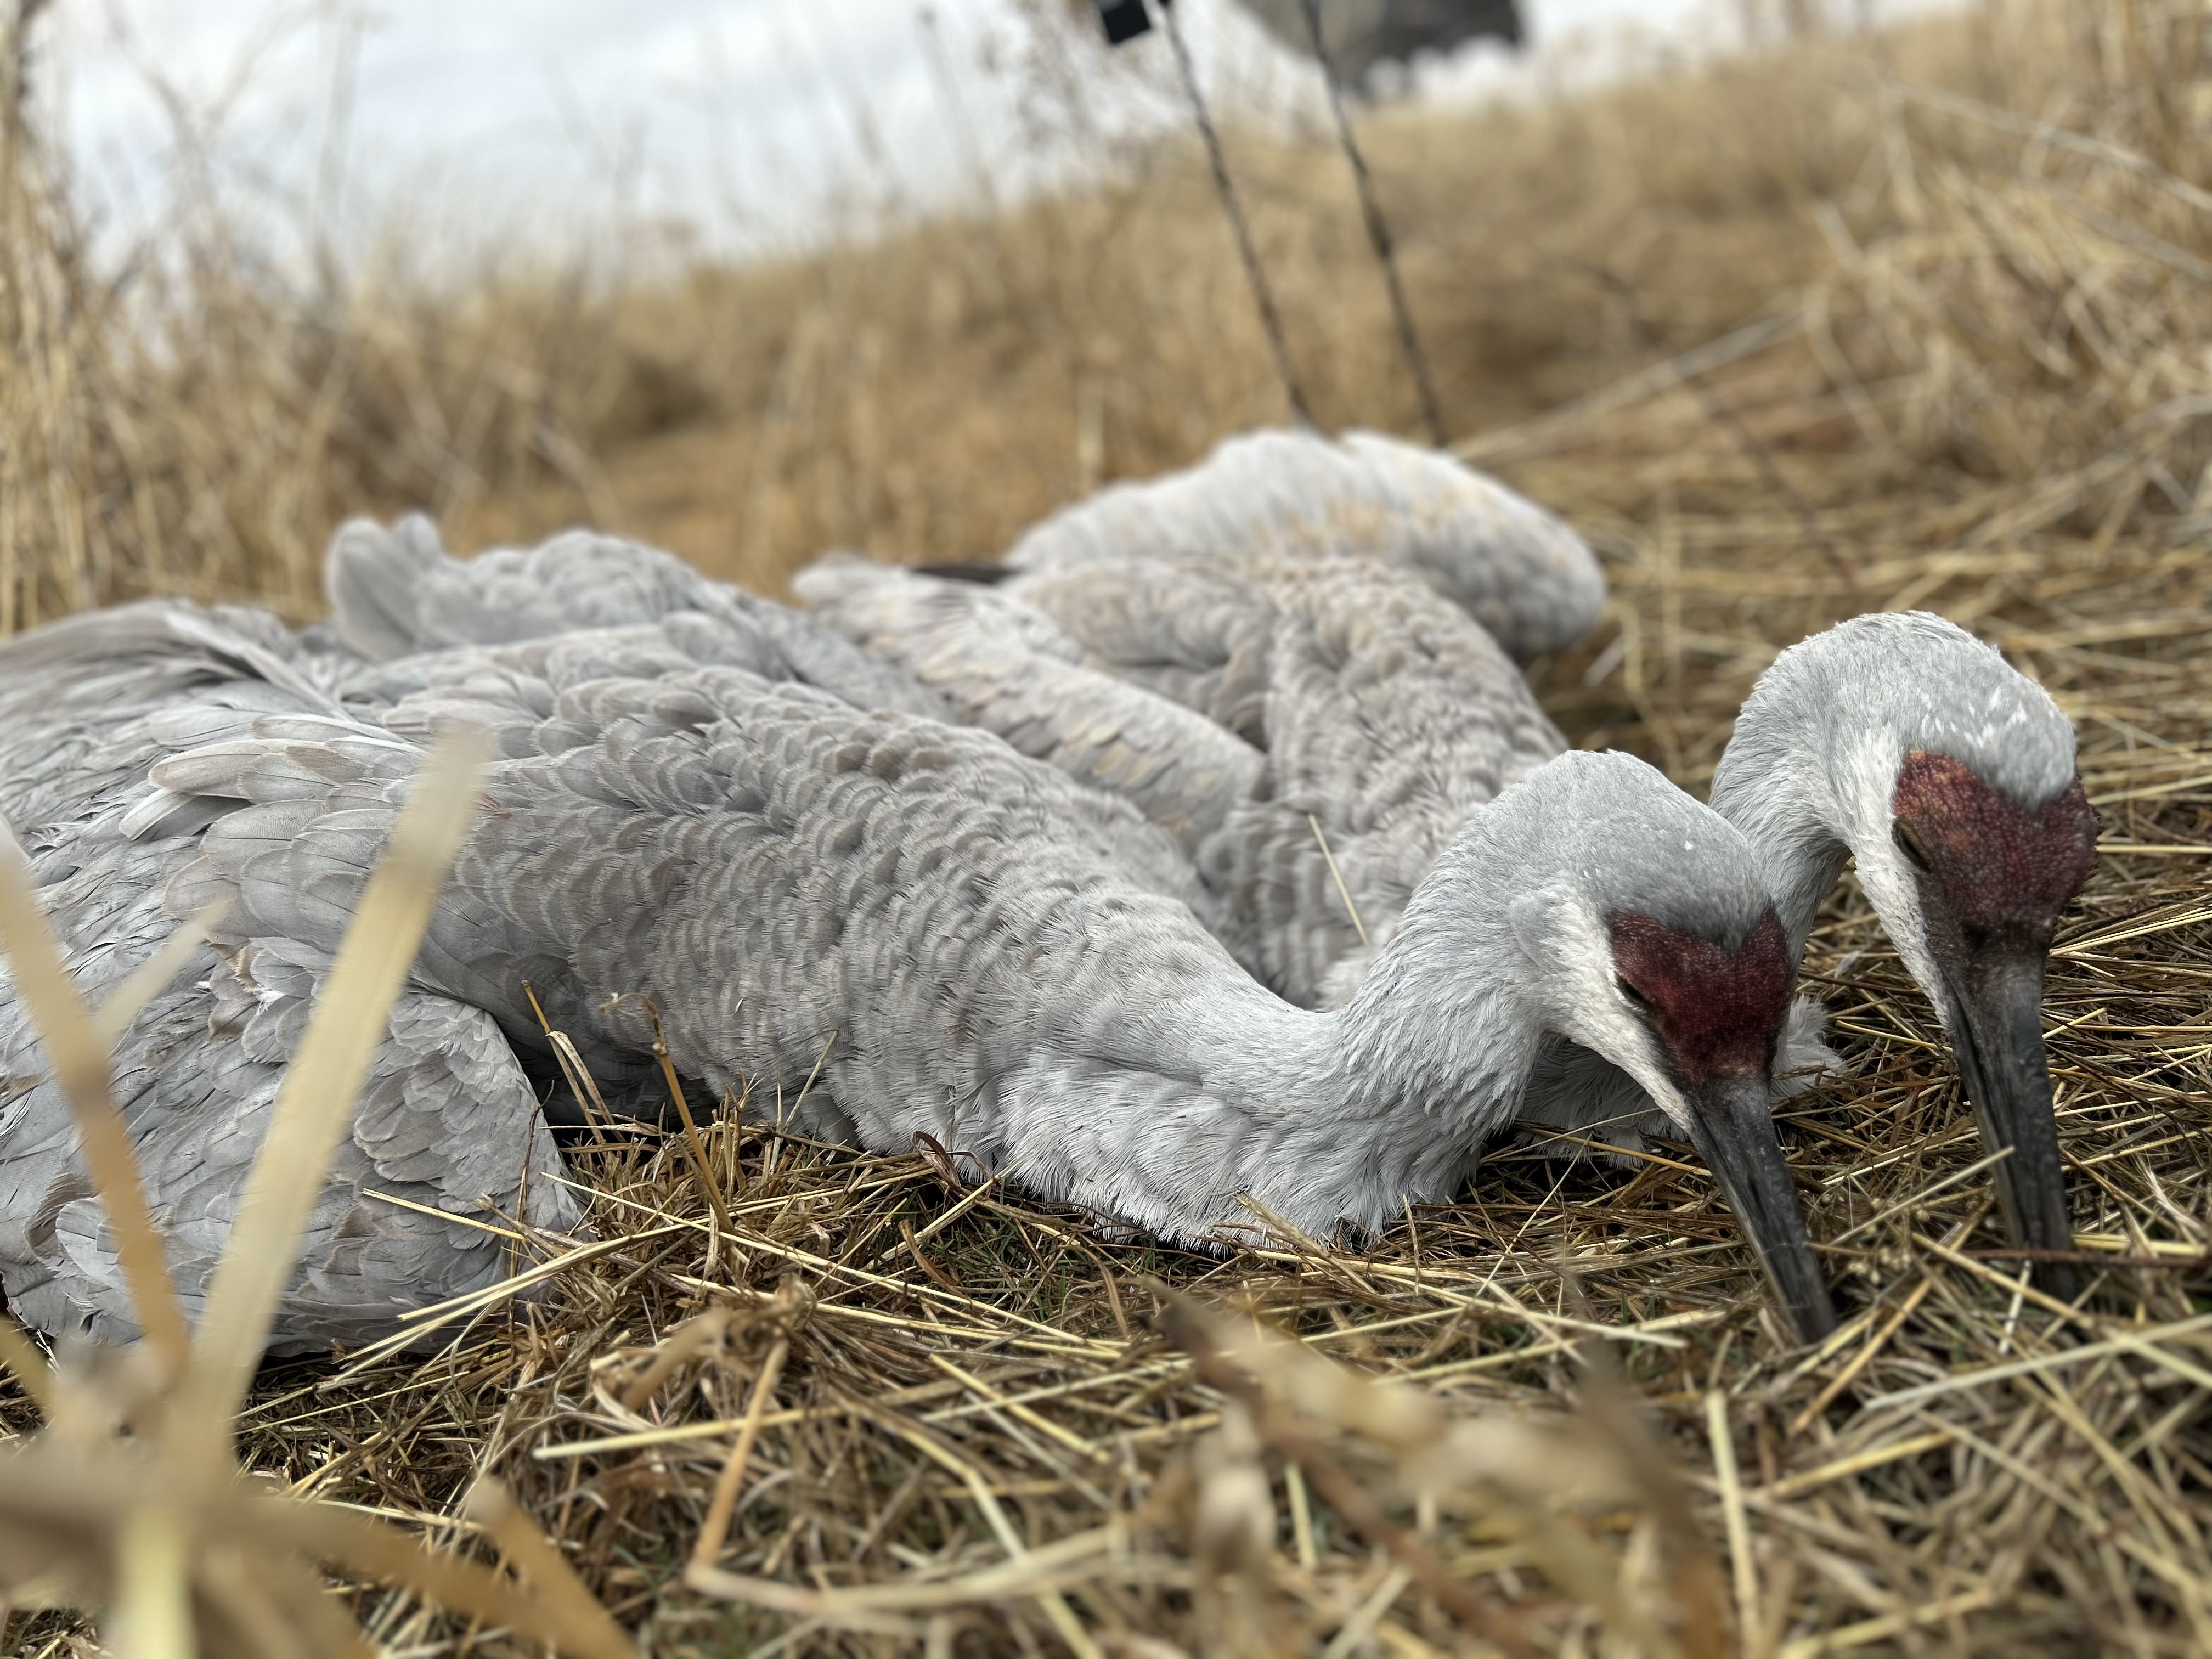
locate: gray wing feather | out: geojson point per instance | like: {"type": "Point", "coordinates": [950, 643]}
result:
{"type": "Point", "coordinates": [1391, 716]}
{"type": "Point", "coordinates": [452, 1128]}
{"type": "Point", "coordinates": [1201, 638]}
{"type": "Point", "coordinates": [396, 594]}
{"type": "Point", "coordinates": [375, 578]}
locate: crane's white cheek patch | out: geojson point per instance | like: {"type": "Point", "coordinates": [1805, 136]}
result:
{"type": "Point", "coordinates": [1582, 1001]}
{"type": "Point", "coordinates": [1888, 882]}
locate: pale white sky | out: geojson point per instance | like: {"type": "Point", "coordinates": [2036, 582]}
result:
{"type": "Point", "coordinates": [753, 119]}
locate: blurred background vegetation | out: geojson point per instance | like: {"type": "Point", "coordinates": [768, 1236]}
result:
{"type": "Point", "coordinates": [1980, 229]}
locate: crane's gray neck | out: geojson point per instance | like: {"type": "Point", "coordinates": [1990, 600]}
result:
{"type": "Point", "coordinates": [1349, 1115]}
{"type": "Point", "coordinates": [1774, 785]}
{"type": "Point", "coordinates": [1440, 1020]}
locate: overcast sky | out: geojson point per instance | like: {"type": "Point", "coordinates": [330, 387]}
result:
{"type": "Point", "coordinates": [751, 119]}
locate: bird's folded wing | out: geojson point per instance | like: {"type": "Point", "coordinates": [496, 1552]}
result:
{"type": "Point", "coordinates": [395, 593]}
{"type": "Point", "coordinates": [447, 1124]}
{"type": "Point", "coordinates": [1519, 570]}
{"type": "Point", "coordinates": [1200, 638]}
{"type": "Point", "coordinates": [1005, 666]}
{"type": "Point", "coordinates": [446, 1153]}
{"type": "Point", "coordinates": [374, 579]}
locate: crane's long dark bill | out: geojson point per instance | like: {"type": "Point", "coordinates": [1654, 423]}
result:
{"type": "Point", "coordinates": [2000, 1048]}
{"type": "Point", "coordinates": [1733, 1127]}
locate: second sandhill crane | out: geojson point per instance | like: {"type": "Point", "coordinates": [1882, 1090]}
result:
{"type": "Point", "coordinates": [942, 928]}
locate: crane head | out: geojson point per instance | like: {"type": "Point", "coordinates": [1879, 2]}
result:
{"type": "Point", "coordinates": [1976, 881]}
{"type": "Point", "coordinates": [1950, 778]}
{"type": "Point", "coordinates": [1713, 1011]}
{"type": "Point", "coordinates": [1648, 934]}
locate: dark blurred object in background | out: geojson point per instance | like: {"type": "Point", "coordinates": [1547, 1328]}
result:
{"type": "Point", "coordinates": [1124, 20]}
{"type": "Point", "coordinates": [1370, 42]}
{"type": "Point", "coordinates": [1366, 39]}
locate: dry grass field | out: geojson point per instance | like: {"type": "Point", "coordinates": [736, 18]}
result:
{"type": "Point", "coordinates": [1921, 319]}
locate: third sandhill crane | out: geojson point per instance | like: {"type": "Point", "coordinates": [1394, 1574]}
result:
{"type": "Point", "coordinates": [1263, 497]}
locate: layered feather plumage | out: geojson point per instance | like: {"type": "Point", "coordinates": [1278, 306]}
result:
{"type": "Point", "coordinates": [448, 1122]}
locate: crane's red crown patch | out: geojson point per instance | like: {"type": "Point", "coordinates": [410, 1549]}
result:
{"type": "Point", "coordinates": [1717, 1010]}
{"type": "Point", "coordinates": [2001, 863]}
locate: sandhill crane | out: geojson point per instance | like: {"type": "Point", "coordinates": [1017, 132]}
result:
{"type": "Point", "coordinates": [1898, 739]}
{"type": "Point", "coordinates": [942, 927]}
{"type": "Point", "coordinates": [1913, 683]}
{"type": "Point", "coordinates": [448, 1122]}
{"type": "Point", "coordinates": [1901, 741]}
